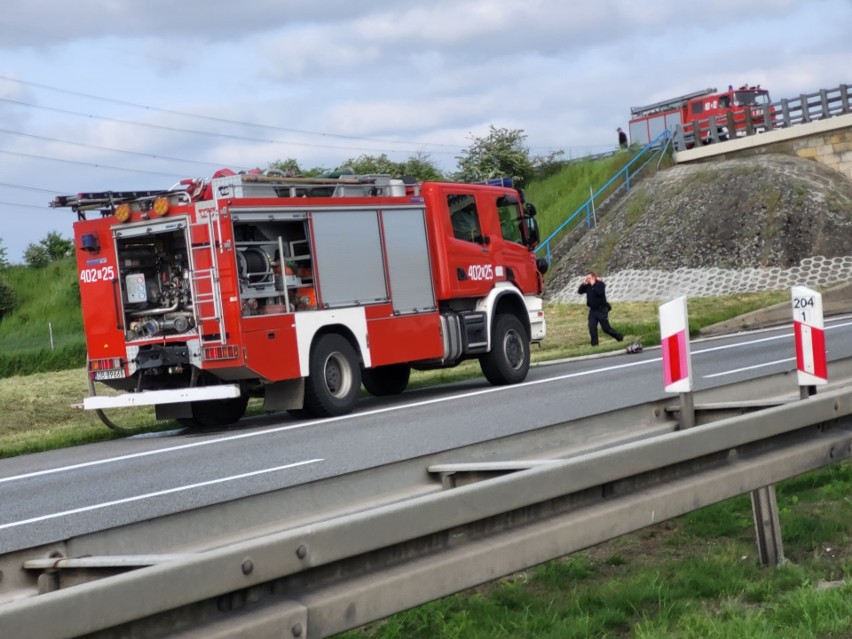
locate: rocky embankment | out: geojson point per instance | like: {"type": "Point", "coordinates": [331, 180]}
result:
{"type": "Point", "coordinates": [769, 212]}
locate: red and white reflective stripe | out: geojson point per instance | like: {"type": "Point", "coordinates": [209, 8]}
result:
{"type": "Point", "coordinates": [676, 366]}
{"type": "Point", "coordinates": [674, 339]}
{"type": "Point", "coordinates": [810, 354]}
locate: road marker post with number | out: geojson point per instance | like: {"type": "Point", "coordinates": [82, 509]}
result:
{"type": "Point", "coordinates": [809, 331]}
{"type": "Point", "coordinates": [677, 360]}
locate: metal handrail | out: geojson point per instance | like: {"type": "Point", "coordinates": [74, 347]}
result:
{"type": "Point", "coordinates": [655, 148]}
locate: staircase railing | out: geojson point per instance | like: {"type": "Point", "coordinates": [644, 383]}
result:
{"type": "Point", "coordinates": [584, 216]}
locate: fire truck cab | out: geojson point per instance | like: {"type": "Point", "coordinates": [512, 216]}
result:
{"type": "Point", "coordinates": [300, 290]}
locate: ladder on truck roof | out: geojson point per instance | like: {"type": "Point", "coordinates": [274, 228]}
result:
{"type": "Point", "coordinates": [671, 103]}
{"type": "Point", "coordinates": [272, 185]}
{"type": "Point", "coordinates": [107, 201]}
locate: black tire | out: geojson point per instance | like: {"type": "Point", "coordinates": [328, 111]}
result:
{"type": "Point", "coordinates": [332, 386]}
{"type": "Point", "coordinates": [508, 361]}
{"type": "Point", "coordinates": [382, 381]}
{"type": "Point", "coordinates": [216, 413]}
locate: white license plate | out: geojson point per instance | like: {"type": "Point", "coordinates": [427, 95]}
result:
{"type": "Point", "coordinates": [118, 373]}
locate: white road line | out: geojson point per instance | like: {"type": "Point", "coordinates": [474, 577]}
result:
{"type": "Point", "coordinates": [316, 422]}
{"type": "Point", "coordinates": [738, 344]}
{"type": "Point", "coordinates": [750, 368]}
{"type": "Point", "coordinates": [159, 493]}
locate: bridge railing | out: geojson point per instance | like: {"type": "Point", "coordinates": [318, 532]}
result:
{"type": "Point", "coordinates": [584, 216]}
{"type": "Point", "coordinates": [808, 107]}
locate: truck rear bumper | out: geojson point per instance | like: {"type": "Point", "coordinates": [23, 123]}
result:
{"type": "Point", "coordinates": [152, 398]}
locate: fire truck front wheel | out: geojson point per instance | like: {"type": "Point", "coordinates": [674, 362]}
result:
{"type": "Point", "coordinates": [332, 387]}
{"type": "Point", "coordinates": [508, 361]}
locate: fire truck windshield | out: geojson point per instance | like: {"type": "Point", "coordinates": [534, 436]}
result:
{"type": "Point", "coordinates": [746, 98]}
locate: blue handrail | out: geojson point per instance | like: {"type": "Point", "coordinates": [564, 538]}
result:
{"type": "Point", "coordinates": [654, 147]}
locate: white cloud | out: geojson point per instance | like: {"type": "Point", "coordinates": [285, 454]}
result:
{"type": "Point", "coordinates": [334, 79]}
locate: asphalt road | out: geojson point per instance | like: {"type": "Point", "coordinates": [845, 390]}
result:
{"type": "Point", "coordinates": [55, 495]}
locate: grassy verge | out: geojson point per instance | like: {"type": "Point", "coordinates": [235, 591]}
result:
{"type": "Point", "coordinates": [695, 577]}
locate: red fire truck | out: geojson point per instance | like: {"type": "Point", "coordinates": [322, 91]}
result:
{"type": "Point", "coordinates": [735, 107]}
{"type": "Point", "coordinates": [300, 290]}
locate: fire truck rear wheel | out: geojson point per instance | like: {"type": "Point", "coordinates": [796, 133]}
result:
{"type": "Point", "coordinates": [216, 412]}
{"type": "Point", "coordinates": [332, 387]}
{"type": "Point", "coordinates": [508, 361]}
{"type": "Point", "coordinates": [382, 381]}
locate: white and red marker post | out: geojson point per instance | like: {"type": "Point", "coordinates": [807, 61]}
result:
{"type": "Point", "coordinates": [809, 330]}
{"type": "Point", "coordinates": [677, 360]}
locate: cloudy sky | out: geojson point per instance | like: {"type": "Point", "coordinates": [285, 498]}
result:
{"type": "Point", "coordinates": [120, 94]}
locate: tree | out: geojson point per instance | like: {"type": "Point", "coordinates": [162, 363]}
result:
{"type": "Point", "coordinates": [502, 153]}
{"type": "Point", "coordinates": [36, 256]}
{"type": "Point", "coordinates": [50, 249]}
{"type": "Point", "coordinates": [7, 296]}
{"type": "Point", "coordinates": [57, 247]}
{"type": "Point", "coordinates": [291, 167]}
{"type": "Point", "coordinates": [418, 166]}
{"type": "Point", "coordinates": [421, 166]}
{"type": "Point", "coordinates": [4, 262]}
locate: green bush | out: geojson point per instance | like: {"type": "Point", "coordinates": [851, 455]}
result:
{"type": "Point", "coordinates": [7, 297]}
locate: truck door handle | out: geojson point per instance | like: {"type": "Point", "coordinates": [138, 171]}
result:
{"type": "Point", "coordinates": [460, 273]}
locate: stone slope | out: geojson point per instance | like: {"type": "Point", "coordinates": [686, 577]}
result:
{"type": "Point", "coordinates": [764, 212]}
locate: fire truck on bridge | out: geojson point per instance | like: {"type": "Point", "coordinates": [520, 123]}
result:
{"type": "Point", "coordinates": [730, 110]}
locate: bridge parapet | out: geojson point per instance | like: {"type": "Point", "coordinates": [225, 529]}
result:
{"type": "Point", "coordinates": [826, 141]}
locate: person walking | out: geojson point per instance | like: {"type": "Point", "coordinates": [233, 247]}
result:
{"type": "Point", "coordinates": [622, 138]}
{"type": "Point", "coordinates": [595, 291]}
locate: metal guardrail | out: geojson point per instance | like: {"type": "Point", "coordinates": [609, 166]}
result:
{"type": "Point", "coordinates": [806, 108]}
{"type": "Point", "coordinates": [320, 578]}
{"type": "Point", "coordinates": [584, 215]}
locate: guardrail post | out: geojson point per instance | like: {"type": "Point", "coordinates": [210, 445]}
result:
{"type": "Point", "coordinates": [806, 108]}
{"type": "Point", "coordinates": [732, 125]}
{"type": "Point", "coordinates": [687, 411]}
{"type": "Point", "coordinates": [785, 112]}
{"type": "Point", "coordinates": [823, 98]}
{"type": "Point", "coordinates": [767, 526]}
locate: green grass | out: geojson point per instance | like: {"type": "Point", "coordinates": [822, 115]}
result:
{"type": "Point", "coordinates": [45, 331]}
{"type": "Point", "coordinates": [689, 577]}
{"type": "Point", "coordinates": [559, 195]}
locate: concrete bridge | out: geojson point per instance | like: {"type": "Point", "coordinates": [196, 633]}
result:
{"type": "Point", "coordinates": [826, 141]}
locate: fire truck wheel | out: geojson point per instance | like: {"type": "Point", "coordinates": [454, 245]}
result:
{"type": "Point", "coordinates": [508, 361]}
{"type": "Point", "coordinates": [217, 412]}
{"type": "Point", "coordinates": [386, 380]}
{"type": "Point", "coordinates": [332, 387]}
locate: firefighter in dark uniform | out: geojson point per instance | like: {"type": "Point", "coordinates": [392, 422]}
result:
{"type": "Point", "coordinates": [595, 292]}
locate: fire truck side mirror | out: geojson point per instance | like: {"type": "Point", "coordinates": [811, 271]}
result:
{"type": "Point", "coordinates": [533, 236]}
{"type": "Point", "coordinates": [529, 209]}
